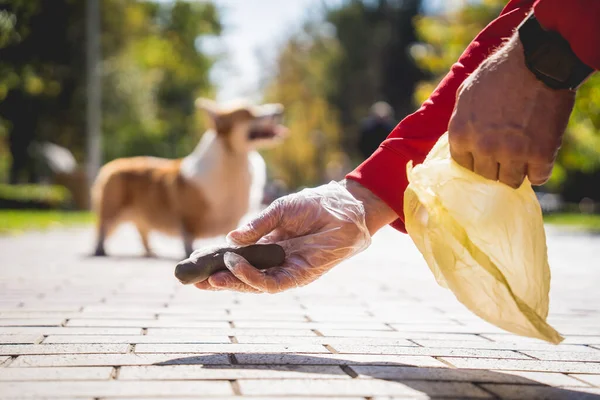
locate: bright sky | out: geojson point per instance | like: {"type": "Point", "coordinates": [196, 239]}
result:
{"type": "Point", "coordinates": [253, 31]}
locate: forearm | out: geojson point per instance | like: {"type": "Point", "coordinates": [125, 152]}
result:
{"type": "Point", "coordinates": [377, 213]}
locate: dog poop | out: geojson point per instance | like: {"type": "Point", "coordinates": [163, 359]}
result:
{"type": "Point", "coordinates": [203, 263]}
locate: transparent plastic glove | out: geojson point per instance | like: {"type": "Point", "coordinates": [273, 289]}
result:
{"type": "Point", "coordinates": [318, 228]}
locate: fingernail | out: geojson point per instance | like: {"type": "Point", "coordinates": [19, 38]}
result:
{"type": "Point", "coordinates": [232, 259]}
{"type": "Point", "coordinates": [233, 237]}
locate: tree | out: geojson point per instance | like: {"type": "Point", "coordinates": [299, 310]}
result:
{"type": "Point", "coordinates": [300, 82]}
{"type": "Point", "coordinates": [151, 82]}
{"type": "Point", "coordinates": [330, 73]}
{"type": "Point", "coordinates": [41, 67]}
{"type": "Point", "coordinates": [375, 65]}
{"type": "Point", "coordinates": [152, 73]}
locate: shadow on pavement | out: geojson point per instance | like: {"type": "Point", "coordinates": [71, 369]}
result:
{"type": "Point", "coordinates": [422, 379]}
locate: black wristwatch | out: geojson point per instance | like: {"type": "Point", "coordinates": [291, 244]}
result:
{"type": "Point", "coordinates": [549, 56]}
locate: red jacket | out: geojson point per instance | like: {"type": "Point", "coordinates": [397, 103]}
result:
{"type": "Point", "coordinates": [384, 173]}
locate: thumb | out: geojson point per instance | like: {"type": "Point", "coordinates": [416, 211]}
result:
{"type": "Point", "coordinates": [261, 225]}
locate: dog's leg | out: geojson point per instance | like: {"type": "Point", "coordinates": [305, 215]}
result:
{"type": "Point", "coordinates": [105, 229]}
{"type": "Point", "coordinates": [188, 242]}
{"type": "Point", "coordinates": [145, 242]}
{"type": "Point", "coordinates": [101, 237]}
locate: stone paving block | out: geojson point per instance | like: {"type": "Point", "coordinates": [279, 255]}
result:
{"type": "Point", "coordinates": [116, 315]}
{"type": "Point", "coordinates": [31, 322]}
{"type": "Point", "coordinates": [56, 374]}
{"type": "Point", "coordinates": [20, 314]}
{"type": "Point", "coordinates": [591, 355]}
{"type": "Point", "coordinates": [134, 339]}
{"type": "Point", "coordinates": [231, 372]}
{"type": "Point", "coordinates": [238, 398]}
{"type": "Point", "coordinates": [237, 317]}
{"type": "Point", "coordinates": [230, 332]}
{"type": "Point", "coordinates": [114, 388]}
{"type": "Point", "coordinates": [589, 340]}
{"type": "Point", "coordinates": [18, 349]}
{"type": "Point", "coordinates": [525, 365]}
{"type": "Point", "coordinates": [101, 309]}
{"type": "Point", "coordinates": [146, 323]}
{"type": "Point", "coordinates": [443, 328]}
{"type": "Point", "coordinates": [460, 344]}
{"type": "Point", "coordinates": [569, 339]}
{"type": "Point", "coordinates": [546, 378]}
{"type": "Point", "coordinates": [404, 335]}
{"type": "Point", "coordinates": [190, 311]}
{"type": "Point", "coordinates": [401, 373]}
{"type": "Point", "coordinates": [90, 360]}
{"type": "Point", "coordinates": [595, 391]}
{"type": "Point", "coordinates": [425, 351]}
{"type": "Point", "coordinates": [63, 330]}
{"type": "Point", "coordinates": [324, 340]}
{"type": "Point", "coordinates": [229, 348]}
{"type": "Point", "coordinates": [418, 389]}
{"type": "Point", "coordinates": [50, 397]}
{"type": "Point", "coordinates": [20, 339]}
{"type": "Point", "coordinates": [532, 392]}
{"type": "Point", "coordinates": [312, 325]}
{"type": "Point", "coordinates": [40, 309]}
{"type": "Point", "coordinates": [592, 379]}
{"type": "Point", "coordinates": [338, 359]}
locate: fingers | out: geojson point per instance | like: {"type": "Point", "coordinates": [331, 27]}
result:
{"type": "Point", "coordinates": [486, 167]}
{"type": "Point", "coordinates": [539, 174]}
{"type": "Point", "coordinates": [512, 173]}
{"type": "Point", "coordinates": [273, 280]}
{"type": "Point", "coordinates": [464, 159]}
{"type": "Point", "coordinates": [264, 223]}
{"type": "Point", "coordinates": [225, 280]}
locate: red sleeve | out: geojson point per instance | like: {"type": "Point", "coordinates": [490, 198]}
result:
{"type": "Point", "coordinates": [384, 173]}
{"type": "Point", "coordinates": [578, 21]}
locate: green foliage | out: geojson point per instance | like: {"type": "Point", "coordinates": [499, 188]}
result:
{"type": "Point", "coordinates": [374, 64]}
{"type": "Point", "coordinates": [300, 84]}
{"type": "Point", "coordinates": [444, 38]}
{"type": "Point", "coordinates": [151, 82]}
{"type": "Point", "coordinates": [587, 222]}
{"type": "Point", "coordinates": [152, 71]}
{"type": "Point", "coordinates": [50, 196]}
{"type": "Point", "coordinates": [329, 74]}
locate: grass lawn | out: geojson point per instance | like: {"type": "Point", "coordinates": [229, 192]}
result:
{"type": "Point", "coordinates": [17, 221]}
{"type": "Point", "coordinates": [588, 222]}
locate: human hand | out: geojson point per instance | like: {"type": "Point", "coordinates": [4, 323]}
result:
{"type": "Point", "coordinates": [318, 228]}
{"type": "Point", "coordinates": [508, 125]}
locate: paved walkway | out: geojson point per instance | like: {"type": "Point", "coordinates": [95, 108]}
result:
{"type": "Point", "coordinates": [376, 327]}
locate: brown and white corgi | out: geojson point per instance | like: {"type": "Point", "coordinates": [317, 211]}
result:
{"type": "Point", "coordinates": [205, 194]}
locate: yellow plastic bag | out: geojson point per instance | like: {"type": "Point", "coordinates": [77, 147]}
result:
{"type": "Point", "coordinates": [483, 240]}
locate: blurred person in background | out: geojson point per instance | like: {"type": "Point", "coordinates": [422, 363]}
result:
{"type": "Point", "coordinates": [375, 128]}
{"type": "Point", "coordinates": [505, 104]}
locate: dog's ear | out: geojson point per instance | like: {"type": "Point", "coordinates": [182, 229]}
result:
{"type": "Point", "coordinates": [209, 106]}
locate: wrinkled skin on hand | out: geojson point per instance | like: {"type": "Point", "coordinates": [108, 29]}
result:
{"type": "Point", "coordinates": [507, 125]}
{"type": "Point", "coordinates": [318, 228]}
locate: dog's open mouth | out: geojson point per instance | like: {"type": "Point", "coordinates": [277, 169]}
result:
{"type": "Point", "coordinates": [267, 132]}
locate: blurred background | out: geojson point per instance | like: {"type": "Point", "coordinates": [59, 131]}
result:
{"type": "Point", "coordinates": [83, 82]}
